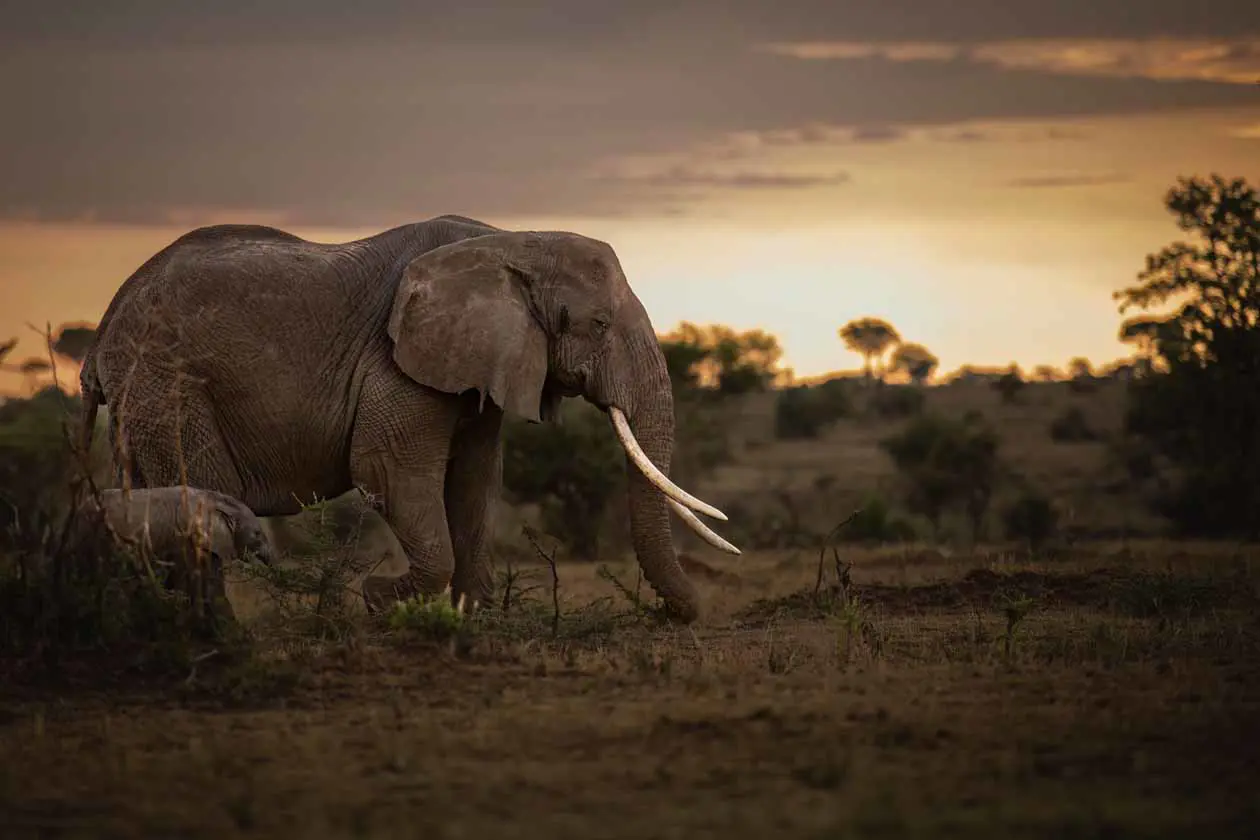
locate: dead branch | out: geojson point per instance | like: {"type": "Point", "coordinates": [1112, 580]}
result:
{"type": "Point", "coordinates": [828, 542]}
{"type": "Point", "coordinates": [555, 577]}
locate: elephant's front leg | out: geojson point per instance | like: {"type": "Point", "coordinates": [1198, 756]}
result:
{"type": "Point", "coordinates": [398, 454]}
{"type": "Point", "coordinates": [473, 480]}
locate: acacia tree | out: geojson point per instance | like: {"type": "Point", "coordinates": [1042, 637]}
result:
{"type": "Point", "coordinates": [1203, 410]}
{"type": "Point", "coordinates": [1045, 373]}
{"type": "Point", "coordinates": [870, 338]}
{"type": "Point", "coordinates": [1145, 335]}
{"type": "Point", "coordinates": [73, 340]}
{"type": "Point", "coordinates": [915, 360]}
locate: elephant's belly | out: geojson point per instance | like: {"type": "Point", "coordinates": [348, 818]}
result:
{"type": "Point", "coordinates": [278, 480]}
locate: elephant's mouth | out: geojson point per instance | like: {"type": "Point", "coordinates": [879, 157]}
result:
{"type": "Point", "coordinates": [558, 385]}
{"type": "Point", "coordinates": [679, 499]}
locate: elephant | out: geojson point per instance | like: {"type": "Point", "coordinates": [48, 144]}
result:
{"type": "Point", "coordinates": [245, 359]}
{"type": "Point", "coordinates": [169, 524]}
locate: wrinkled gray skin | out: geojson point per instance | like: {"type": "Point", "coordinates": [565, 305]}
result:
{"type": "Point", "coordinates": [386, 363]}
{"type": "Point", "coordinates": [233, 531]}
{"type": "Point", "coordinates": [162, 520]}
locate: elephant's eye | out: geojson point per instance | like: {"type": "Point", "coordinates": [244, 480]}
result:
{"type": "Point", "coordinates": [600, 326]}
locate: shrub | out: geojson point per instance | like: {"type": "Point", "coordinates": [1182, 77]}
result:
{"type": "Point", "coordinates": [36, 463]}
{"type": "Point", "coordinates": [894, 402]}
{"type": "Point", "coordinates": [1032, 518]}
{"type": "Point", "coordinates": [946, 462]}
{"type": "Point", "coordinates": [803, 411]}
{"type": "Point", "coordinates": [1010, 385]}
{"type": "Point", "coordinates": [1071, 427]}
{"type": "Point", "coordinates": [876, 523]}
{"type": "Point", "coordinates": [571, 469]}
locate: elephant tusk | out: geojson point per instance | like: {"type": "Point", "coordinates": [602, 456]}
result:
{"type": "Point", "coordinates": [705, 532]}
{"type": "Point", "coordinates": [650, 470]}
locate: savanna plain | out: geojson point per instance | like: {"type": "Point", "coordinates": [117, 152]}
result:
{"type": "Point", "coordinates": [1102, 686]}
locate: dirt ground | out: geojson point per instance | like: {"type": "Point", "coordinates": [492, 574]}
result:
{"type": "Point", "coordinates": [1113, 693]}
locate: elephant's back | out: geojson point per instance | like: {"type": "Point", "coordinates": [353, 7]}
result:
{"type": "Point", "coordinates": [246, 308]}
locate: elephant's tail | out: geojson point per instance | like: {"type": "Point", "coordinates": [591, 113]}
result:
{"type": "Point", "coordinates": [91, 396]}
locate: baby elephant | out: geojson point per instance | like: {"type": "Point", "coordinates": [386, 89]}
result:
{"type": "Point", "coordinates": [173, 525]}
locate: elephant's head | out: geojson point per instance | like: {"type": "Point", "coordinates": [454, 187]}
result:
{"type": "Point", "coordinates": [526, 318]}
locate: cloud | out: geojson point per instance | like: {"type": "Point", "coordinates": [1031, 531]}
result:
{"type": "Point", "coordinates": [393, 110]}
{"type": "Point", "coordinates": [1246, 132]}
{"type": "Point", "coordinates": [1233, 61]}
{"type": "Point", "coordinates": [1004, 134]}
{"type": "Point", "coordinates": [1068, 180]}
{"type": "Point", "coordinates": [684, 176]}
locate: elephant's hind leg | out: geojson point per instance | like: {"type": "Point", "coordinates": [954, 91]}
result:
{"type": "Point", "coordinates": [174, 439]}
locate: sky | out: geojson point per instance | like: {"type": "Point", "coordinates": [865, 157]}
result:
{"type": "Point", "coordinates": [982, 174]}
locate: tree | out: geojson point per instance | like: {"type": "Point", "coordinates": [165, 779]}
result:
{"type": "Point", "coordinates": [73, 341]}
{"type": "Point", "coordinates": [915, 360]}
{"type": "Point", "coordinates": [1080, 368]}
{"type": "Point", "coordinates": [1203, 410]}
{"type": "Point", "coordinates": [1045, 373]}
{"type": "Point", "coordinates": [720, 358]}
{"type": "Point", "coordinates": [1145, 334]}
{"type": "Point", "coordinates": [1009, 384]}
{"type": "Point", "coordinates": [870, 338]}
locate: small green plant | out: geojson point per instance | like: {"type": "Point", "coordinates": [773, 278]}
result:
{"type": "Point", "coordinates": [427, 618]}
{"type": "Point", "coordinates": [1015, 608]}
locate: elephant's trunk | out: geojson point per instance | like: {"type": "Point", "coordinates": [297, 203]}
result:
{"type": "Point", "coordinates": [651, 422]}
{"type": "Point", "coordinates": [642, 414]}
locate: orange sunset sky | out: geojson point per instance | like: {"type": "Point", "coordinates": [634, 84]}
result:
{"type": "Point", "coordinates": [981, 174]}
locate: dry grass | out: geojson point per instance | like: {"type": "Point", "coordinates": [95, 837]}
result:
{"type": "Point", "coordinates": [1111, 693]}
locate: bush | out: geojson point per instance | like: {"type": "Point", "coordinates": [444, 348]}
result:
{"type": "Point", "coordinates": [875, 523]}
{"type": "Point", "coordinates": [1071, 427]}
{"type": "Point", "coordinates": [946, 462]}
{"type": "Point", "coordinates": [571, 469]}
{"type": "Point", "coordinates": [1010, 385]}
{"type": "Point", "coordinates": [893, 402]}
{"type": "Point", "coordinates": [1032, 518]}
{"type": "Point", "coordinates": [804, 411]}
{"type": "Point", "coordinates": [82, 594]}
{"type": "Point", "coordinates": [1086, 384]}
{"type": "Point", "coordinates": [36, 463]}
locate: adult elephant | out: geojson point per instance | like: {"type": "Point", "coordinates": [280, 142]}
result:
{"type": "Point", "coordinates": [247, 360]}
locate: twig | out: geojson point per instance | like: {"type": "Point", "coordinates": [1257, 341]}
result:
{"type": "Point", "coordinates": [192, 674]}
{"type": "Point", "coordinates": [826, 543]}
{"type": "Point", "coordinates": [509, 579]}
{"type": "Point", "coordinates": [555, 578]}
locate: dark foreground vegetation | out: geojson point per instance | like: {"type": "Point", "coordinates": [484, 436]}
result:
{"type": "Point", "coordinates": [1031, 608]}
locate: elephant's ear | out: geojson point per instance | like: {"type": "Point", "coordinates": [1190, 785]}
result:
{"type": "Point", "coordinates": [461, 319]}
